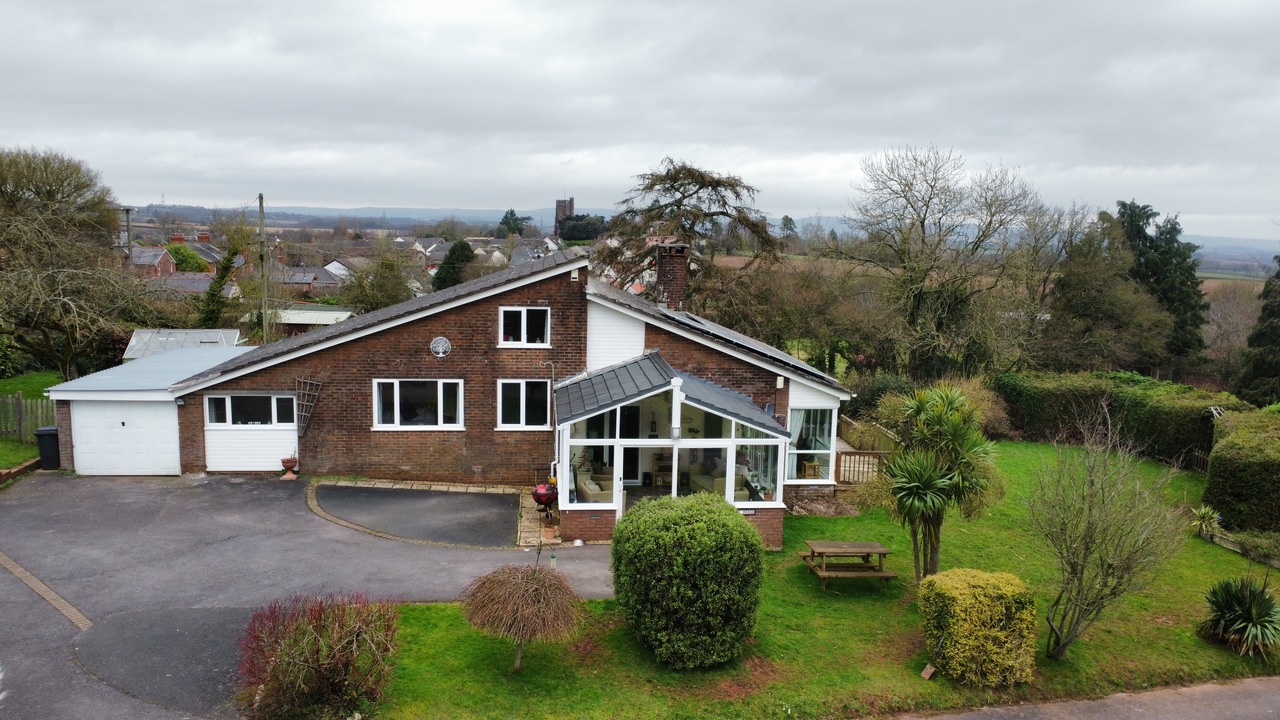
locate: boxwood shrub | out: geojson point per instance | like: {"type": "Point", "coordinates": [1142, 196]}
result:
{"type": "Point", "coordinates": [982, 624]}
{"type": "Point", "coordinates": [686, 574]}
{"type": "Point", "coordinates": [1244, 471]}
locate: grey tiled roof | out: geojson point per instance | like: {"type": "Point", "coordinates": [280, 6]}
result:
{"type": "Point", "coordinates": [594, 392]}
{"type": "Point", "coordinates": [713, 331]}
{"type": "Point", "coordinates": [146, 256]}
{"type": "Point", "coordinates": [355, 324]}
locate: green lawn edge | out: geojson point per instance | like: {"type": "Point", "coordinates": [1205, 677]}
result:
{"type": "Point", "coordinates": [853, 651]}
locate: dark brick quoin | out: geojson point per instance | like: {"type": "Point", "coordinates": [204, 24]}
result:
{"type": "Point", "coordinates": [340, 440]}
{"type": "Point", "coordinates": [62, 416]}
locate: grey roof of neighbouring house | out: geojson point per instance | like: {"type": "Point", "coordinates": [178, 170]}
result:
{"type": "Point", "coordinates": [264, 353]}
{"type": "Point", "coordinates": [596, 391]}
{"type": "Point", "coordinates": [150, 341]}
{"type": "Point", "coordinates": [146, 256]}
{"type": "Point", "coordinates": [153, 372]}
{"type": "Point", "coordinates": [714, 331]}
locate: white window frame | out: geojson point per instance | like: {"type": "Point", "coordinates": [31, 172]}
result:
{"type": "Point", "coordinates": [230, 421]}
{"type": "Point", "coordinates": [378, 425]}
{"type": "Point", "coordinates": [523, 405]}
{"type": "Point", "coordinates": [795, 453]}
{"type": "Point", "coordinates": [524, 326]}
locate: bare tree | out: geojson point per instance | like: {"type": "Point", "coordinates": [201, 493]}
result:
{"type": "Point", "coordinates": [1234, 307]}
{"type": "Point", "coordinates": [1108, 528]}
{"type": "Point", "coordinates": [939, 237]}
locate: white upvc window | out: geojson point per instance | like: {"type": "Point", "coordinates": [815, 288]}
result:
{"type": "Point", "coordinates": [417, 404]}
{"type": "Point", "coordinates": [811, 452]}
{"type": "Point", "coordinates": [263, 409]}
{"type": "Point", "coordinates": [524, 404]}
{"type": "Point", "coordinates": [524, 327]}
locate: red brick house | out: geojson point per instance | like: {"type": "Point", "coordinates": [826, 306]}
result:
{"type": "Point", "coordinates": [538, 369]}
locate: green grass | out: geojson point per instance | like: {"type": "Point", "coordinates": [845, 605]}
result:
{"type": "Point", "coordinates": [31, 385]}
{"type": "Point", "coordinates": [14, 453]}
{"type": "Point", "coordinates": [848, 652]}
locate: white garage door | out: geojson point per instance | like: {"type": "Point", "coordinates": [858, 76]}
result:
{"type": "Point", "coordinates": [125, 438]}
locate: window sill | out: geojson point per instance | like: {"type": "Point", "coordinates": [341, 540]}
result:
{"type": "Point", "coordinates": [542, 346]}
{"type": "Point", "coordinates": [418, 428]}
{"type": "Point", "coordinates": [523, 428]}
{"type": "Point", "coordinates": [246, 426]}
{"type": "Point", "coordinates": [810, 481]}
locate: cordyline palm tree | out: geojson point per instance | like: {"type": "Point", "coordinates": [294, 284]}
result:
{"type": "Point", "coordinates": [945, 462]}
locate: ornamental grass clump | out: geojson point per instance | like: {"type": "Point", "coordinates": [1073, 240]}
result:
{"type": "Point", "coordinates": [1242, 615]}
{"type": "Point", "coordinates": [523, 603]}
{"type": "Point", "coordinates": [981, 626]}
{"type": "Point", "coordinates": [687, 574]}
{"type": "Point", "coordinates": [316, 657]}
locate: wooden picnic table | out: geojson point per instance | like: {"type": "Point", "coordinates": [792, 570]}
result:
{"type": "Point", "coordinates": [834, 559]}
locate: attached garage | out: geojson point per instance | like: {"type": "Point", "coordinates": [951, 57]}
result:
{"type": "Point", "coordinates": [125, 438]}
{"type": "Point", "coordinates": [124, 421]}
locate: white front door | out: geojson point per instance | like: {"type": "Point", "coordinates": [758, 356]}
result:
{"type": "Point", "coordinates": [125, 438]}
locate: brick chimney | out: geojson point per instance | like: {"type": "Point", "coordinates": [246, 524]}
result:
{"type": "Point", "coordinates": [672, 264]}
{"type": "Point", "coordinates": [177, 238]}
{"type": "Point", "coordinates": [203, 237]}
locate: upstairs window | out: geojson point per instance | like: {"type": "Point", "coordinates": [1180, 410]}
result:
{"type": "Point", "coordinates": [418, 404]}
{"type": "Point", "coordinates": [525, 327]}
{"type": "Point", "coordinates": [524, 404]}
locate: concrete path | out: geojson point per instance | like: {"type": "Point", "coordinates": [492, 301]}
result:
{"type": "Point", "coordinates": [1254, 699]}
{"type": "Point", "coordinates": [131, 554]}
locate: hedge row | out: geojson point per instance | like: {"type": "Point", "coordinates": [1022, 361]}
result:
{"type": "Point", "coordinates": [1244, 471]}
{"type": "Point", "coordinates": [1162, 419]}
{"type": "Point", "coordinates": [982, 624]}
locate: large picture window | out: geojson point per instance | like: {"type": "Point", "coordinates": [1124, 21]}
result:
{"type": "Point", "coordinates": [525, 326]}
{"type": "Point", "coordinates": [418, 404]}
{"type": "Point", "coordinates": [810, 455]}
{"type": "Point", "coordinates": [524, 404]}
{"type": "Point", "coordinates": [249, 410]}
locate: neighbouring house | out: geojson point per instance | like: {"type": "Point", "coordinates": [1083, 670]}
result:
{"type": "Point", "coordinates": [344, 267]}
{"type": "Point", "coordinates": [295, 318]}
{"type": "Point", "coordinates": [152, 261]}
{"type": "Point", "coordinates": [535, 370]}
{"type": "Point", "coordinates": [194, 283]}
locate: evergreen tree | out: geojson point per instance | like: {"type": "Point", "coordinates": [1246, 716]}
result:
{"type": "Point", "coordinates": [1260, 381]}
{"type": "Point", "coordinates": [1166, 267]}
{"type": "Point", "coordinates": [454, 265]}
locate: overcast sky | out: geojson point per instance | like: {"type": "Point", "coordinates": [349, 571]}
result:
{"type": "Point", "coordinates": [477, 104]}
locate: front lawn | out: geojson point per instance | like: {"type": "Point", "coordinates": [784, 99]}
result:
{"type": "Point", "coordinates": [851, 651]}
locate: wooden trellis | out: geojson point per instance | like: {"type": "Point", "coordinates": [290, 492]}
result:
{"type": "Point", "coordinates": [308, 390]}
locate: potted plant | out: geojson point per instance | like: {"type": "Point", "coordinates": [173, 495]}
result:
{"type": "Point", "coordinates": [289, 464]}
{"type": "Point", "coordinates": [1205, 521]}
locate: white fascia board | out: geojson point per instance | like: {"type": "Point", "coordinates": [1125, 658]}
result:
{"type": "Point", "coordinates": [179, 389]}
{"type": "Point", "coordinates": [113, 395]}
{"type": "Point", "coordinates": [732, 352]}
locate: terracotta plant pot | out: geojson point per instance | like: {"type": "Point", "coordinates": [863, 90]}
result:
{"type": "Point", "coordinates": [289, 464]}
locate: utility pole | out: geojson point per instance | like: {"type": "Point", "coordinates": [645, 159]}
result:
{"type": "Point", "coordinates": [263, 257]}
{"type": "Point", "coordinates": [128, 229]}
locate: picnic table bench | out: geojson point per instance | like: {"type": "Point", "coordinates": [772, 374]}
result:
{"type": "Point", "coordinates": [833, 559]}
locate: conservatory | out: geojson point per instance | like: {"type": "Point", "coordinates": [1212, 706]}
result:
{"type": "Point", "coordinates": [642, 429]}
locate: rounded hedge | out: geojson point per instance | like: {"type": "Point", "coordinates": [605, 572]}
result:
{"type": "Point", "coordinates": [687, 573]}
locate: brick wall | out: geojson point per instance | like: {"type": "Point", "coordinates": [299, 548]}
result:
{"type": "Point", "coordinates": [339, 439]}
{"type": "Point", "coordinates": [722, 369]}
{"type": "Point", "coordinates": [587, 525]}
{"type": "Point", "coordinates": [62, 415]}
{"type": "Point", "coordinates": [597, 525]}
{"type": "Point", "coordinates": [793, 493]}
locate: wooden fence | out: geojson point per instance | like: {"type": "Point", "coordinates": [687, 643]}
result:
{"type": "Point", "coordinates": [867, 435]}
{"type": "Point", "coordinates": [858, 466]}
{"type": "Point", "coordinates": [19, 417]}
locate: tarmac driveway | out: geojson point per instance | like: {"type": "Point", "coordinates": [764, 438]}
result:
{"type": "Point", "coordinates": [167, 569]}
